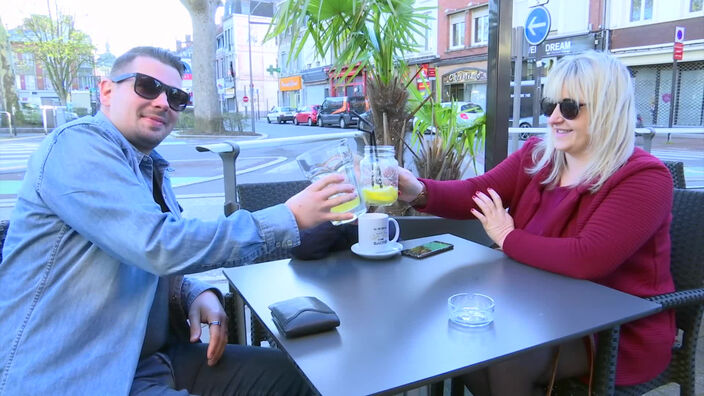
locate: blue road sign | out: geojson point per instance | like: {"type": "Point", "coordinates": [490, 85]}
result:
{"type": "Point", "coordinates": [537, 25]}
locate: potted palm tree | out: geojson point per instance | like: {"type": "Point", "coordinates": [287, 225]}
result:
{"type": "Point", "coordinates": [373, 35]}
{"type": "Point", "coordinates": [453, 146]}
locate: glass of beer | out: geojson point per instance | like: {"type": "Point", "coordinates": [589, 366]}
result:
{"type": "Point", "coordinates": [334, 158]}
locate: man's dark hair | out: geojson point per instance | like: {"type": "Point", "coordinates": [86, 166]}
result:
{"type": "Point", "coordinates": [159, 54]}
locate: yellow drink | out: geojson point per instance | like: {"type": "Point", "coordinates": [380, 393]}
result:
{"type": "Point", "coordinates": [346, 207]}
{"type": "Point", "coordinates": [379, 196]}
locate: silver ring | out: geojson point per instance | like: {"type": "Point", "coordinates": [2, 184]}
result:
{"type": "Point", "coordinates": [215, 322]}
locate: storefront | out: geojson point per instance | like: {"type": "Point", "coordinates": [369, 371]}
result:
{"type": "Point", "coordinates": [464, 83]}
{"type": "Point", "coordinates": [290, 88]}
{"type": "Point", "coordinates": [315, 86]}
{"type": "Point", "coordinates": [342, 84]}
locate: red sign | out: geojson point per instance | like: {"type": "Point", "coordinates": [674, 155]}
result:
{"type": "Point", "coordinates": [427, 71]}
{"type": "Point", "coordinates": [422, 86]}
{"type": "Point", "coordinates": [245, 99]}
{"type": "Point", "coordinates": [678, 52]}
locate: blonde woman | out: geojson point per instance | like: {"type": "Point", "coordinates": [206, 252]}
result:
{"type": "Point", "coordinates": [584, 203]}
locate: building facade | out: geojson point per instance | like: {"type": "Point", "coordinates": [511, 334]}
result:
{"type": "Point", "coordinates": [643, 36]}
{"type": "Point", "coordinates": [463, 36]}
{"type": "Point", "coordinates": [239, 35]}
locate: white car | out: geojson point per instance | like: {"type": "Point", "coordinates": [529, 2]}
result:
{"type": "Point", "coordinates": [468, 112]}
{"type": "Point", "coordinates": [281, 114]}
{"type": "Point", "coordinates": [527, 122]}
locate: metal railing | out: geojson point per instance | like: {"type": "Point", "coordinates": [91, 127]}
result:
{"type": "Point", "coordinates": [9, 122]}
{"type": "Point", "coordinates": [230, 150]}
{"type": "Point", "coordinates": [645, 134]}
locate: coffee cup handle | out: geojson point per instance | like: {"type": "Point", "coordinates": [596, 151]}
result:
{"type": "Point", "coordinates": [398, 230]}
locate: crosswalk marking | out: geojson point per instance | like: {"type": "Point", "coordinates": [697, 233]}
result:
{"type": "Point", "coordinates": [14, 155]}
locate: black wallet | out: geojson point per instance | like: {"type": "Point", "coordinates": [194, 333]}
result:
{"type": "Point", "coordinates": [301, 316]}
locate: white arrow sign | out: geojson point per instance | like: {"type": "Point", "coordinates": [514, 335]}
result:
{"type": "Point", "coordinates": [532, 25]}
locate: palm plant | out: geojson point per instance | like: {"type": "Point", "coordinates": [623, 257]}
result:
{"type": "Point", "coordinates": [371, 34]}
{"type": "Point", "coordinates": [447, 154]}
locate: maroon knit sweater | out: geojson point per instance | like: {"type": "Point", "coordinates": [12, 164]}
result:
{"type": "Point", "coordinates": [618, 237]}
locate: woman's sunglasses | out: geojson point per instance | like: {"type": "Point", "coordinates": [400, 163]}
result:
{"type": "Point", "coordinates": [569, 108]}
{"type": "Point", "coordinates": [150, 88]}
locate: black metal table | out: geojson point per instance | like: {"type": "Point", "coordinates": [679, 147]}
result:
{"type": "Point", "coordinates": [395, 333]}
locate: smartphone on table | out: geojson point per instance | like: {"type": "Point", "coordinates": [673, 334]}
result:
{"type": "Point", "coordinates": [427, 249]}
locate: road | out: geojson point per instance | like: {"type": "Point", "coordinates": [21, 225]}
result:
{"type": "Point", "coordinates": [197, 177]}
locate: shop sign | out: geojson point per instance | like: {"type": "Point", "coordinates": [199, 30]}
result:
{"type": "Point", "coordinates": [292, 83]}
{"type": "Point", "coordinates": [462, 76]}
{"type": "Point", "coordinates": [427, 71]}
{"type": "Point", "coordinates": [560, 47]}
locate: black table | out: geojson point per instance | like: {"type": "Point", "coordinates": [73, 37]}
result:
{"type": "Point", "coordinates": [395, 333]}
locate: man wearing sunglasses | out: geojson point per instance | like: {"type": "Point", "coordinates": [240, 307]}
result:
{"type": "Point", "coordinates": [93, 296]}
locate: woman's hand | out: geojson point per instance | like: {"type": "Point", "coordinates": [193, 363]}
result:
{"type": "Point", "coordinates": [493, 216]}
{"type": "Point", "coordinates": [312, 206]}
{"type": "Point", "coordinates": [408, 185]}
{"type": "Point", "coordinates": [206, 308]}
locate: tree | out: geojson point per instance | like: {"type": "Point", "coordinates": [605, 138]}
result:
{"type": "Point", "coordinates": [374, 34]}
{"type": "Point", "coordinates": [59, 47]}
{"type": "Point", "coordinates": [206, 109]}
{"type": "Point", "coordinates": [8, 96]}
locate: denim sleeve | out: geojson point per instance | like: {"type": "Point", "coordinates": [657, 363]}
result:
{"type": "Point", "coordinates": [89, 183]}
{"type": "Point", "coordinates": [191, 288]}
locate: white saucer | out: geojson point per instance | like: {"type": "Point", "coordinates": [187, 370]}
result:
{"type": "Point", "coordinates": [394, 248]}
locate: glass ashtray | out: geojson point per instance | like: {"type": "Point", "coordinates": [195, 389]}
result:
{"type": "Point", "coordinates": [471, 309]}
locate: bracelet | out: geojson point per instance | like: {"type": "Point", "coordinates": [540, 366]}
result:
{"type": "Point", "coordinates": [421, 196]}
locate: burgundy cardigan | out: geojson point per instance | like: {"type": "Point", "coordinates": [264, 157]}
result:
{"type": "Point", "coordinates": [618, 237]}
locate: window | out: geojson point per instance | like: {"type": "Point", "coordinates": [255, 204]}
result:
{"type": "Point", "coordinates": [480, 27]}
{"type": "Point", "coordinates": [423, 39]}
{"type": "Point", "coordinates": [641, 10]}
{"type": "Point", "coordinates": [457, 29]}
{"type": "Point", "coordinates": [695, 5]}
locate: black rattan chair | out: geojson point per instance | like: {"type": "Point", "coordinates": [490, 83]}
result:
{"type": "Point", "coordinates": [687, 266]}
{"type": "Point", "coordinates": [676, 168]}
{"type": "Point", "coordinates": [253, 197]}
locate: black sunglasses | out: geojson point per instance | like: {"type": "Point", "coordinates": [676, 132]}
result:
{"type": "Point", "coordinates": [150, 88]}
{"type": "Point", "coordinates": [569, 108]}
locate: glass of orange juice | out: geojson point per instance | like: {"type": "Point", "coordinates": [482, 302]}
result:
{"type": "Point", "coordinates": [334, 158]}
{"type": "Point", "coordinates": [379, 175]}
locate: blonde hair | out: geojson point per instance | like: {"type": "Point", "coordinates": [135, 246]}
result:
{"type": "Point", "coordinates": [604, 85]}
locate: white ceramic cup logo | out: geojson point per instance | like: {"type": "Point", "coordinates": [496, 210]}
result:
{"type": "Point", "coordinates": [374, 232]}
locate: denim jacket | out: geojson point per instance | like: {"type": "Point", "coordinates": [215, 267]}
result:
{"type": "Point", "coordinates": [85, 248]}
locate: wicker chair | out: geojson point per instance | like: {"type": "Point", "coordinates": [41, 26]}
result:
{"type": "Point", "coordinates": [687, 266]}
{"type": "Point", "coordinates": [254, 197]}
{"type": "Point", "coordinates": [676, 168]}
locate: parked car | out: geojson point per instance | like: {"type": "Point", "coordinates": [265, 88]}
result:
{"type": "Point", "coordinates": [468, 112]}
{"type": "Point", "coordinates": [336, 110]}
{"type": "Point", "coordinates": [366, 122]}
{"type": "Point", "coordinates": [527, 122]}
{"type": "Point", "coordinates": [280, 114]}
{"type": "Point", "coordinates": [307, 115]}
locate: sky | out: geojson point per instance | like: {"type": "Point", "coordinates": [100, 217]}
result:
{"type": "Point", "coordinates": [122, 24]}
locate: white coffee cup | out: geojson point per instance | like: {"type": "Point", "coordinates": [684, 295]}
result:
{"type": "Point", "coordinates": [374, 232]}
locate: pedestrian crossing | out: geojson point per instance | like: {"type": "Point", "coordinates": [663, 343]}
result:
{"type": "Point", "coordinates": [14, 155]}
